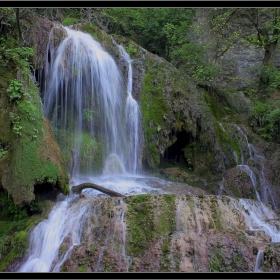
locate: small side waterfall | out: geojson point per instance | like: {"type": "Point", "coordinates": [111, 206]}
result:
{"type": "Point", "coordinates": [266, 194]}
{"type": "Point", "coordinates": [132, 119]}
{"type": "Point", "coordinates": [221, 187]}
{"type": "Point", "coordinates": [259, 261]}
{"type": "Point", "coordinates": [45, 239]}
{"type": "Point", "coordinates": [252, 176]}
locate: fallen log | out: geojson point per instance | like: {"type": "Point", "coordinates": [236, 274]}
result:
{"type": "Point", "coordinates": [78, 189]}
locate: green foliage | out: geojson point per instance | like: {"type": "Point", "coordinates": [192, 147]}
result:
{"type": "Point", "coordinates": [82, 268]}
{"type": "Point", "coordinates": [15, 90]}
{"type": "Point", "coordinates": [225, 33]}
{"type": "Point", "coordinates": [151, 28]}
{"type": "Point", "coordinates": [131, 50]}
{"type": "Point", "coordinates": [190, 57]}
{"type": "Point", "coordinates": [10, 211]}
{"type": "Point", "coordinates": [17, 128]}
{"type": "Point", "coordinates": [265, 120]}
{"type": "Point", "coordinates": [2, 152]}
{"type": "Point", "coordinates": [164, 264]}
{"type": "Point", "coordinates": [15, 225]}
{"type": "Point", "coordinates": [20, 56]}
{"type": "Point", "coordinates": [88, 114]}
{"type": "Point", "coordinates": [270, 77]}
{"type": "Point", "coordinates": [29, 167]}
{"type": "Point", "coordinates": [70, 21]}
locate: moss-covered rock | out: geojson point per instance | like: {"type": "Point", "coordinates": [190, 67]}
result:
{"type": "Point", "coordinates": [33, 156]}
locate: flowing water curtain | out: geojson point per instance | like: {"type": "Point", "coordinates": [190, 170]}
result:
{"type": "Point", "coordinates": [132, 120]}
{"type": "Point", "coordinates": [84, 96]}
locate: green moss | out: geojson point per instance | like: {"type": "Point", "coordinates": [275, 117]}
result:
{"type": "Point", "coordinates": [28, 167]}
{"type": "Point", "coordinates": [148, 219]}
{"type": "Point", "coordinates": [221, 262]}
{"type": "Point", "coordinates": [82, 268]}
{"type": "Point", "coordinates": [153, 109]}
{"type": "Point", "coordinates": [70, 21]}
{"type": "Point", "coordinates": [216, 213]}
{"type": "Point", "coordinates": [107, 266]}
{"type": "Point", "coordinates": [235, 146]}
{"type": "Point", "coordinates": [90, 158]}
{"type": "Point", "coordinates": [97, 33]}
{"type": "Point", "coordinates": [132, 50]}
{"type": "Point", "coordinates": [165, 261]}
{"type": "Point", "coordinates": [217, 110]}
{"type": "Point", "coordinates": [235, 191]}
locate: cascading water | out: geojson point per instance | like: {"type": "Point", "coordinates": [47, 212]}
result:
{"type": "Point", "coordinates": [259, 261]}
{"type": "Point", "coordinates": [85, 102]}
{"type": "Point", "coordinates": [263, 182]}
{"type": "Point", "coordinates": [83, 98]}
{"type": "Point", "coordinates": [45, 239]}
{"type": "Point", "coordinates": [132, 119]}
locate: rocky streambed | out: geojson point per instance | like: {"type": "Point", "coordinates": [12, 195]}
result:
{"type": "Point", "coordinates": [190, 232]}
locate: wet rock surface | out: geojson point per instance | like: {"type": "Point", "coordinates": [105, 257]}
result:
{"type": "Point", "coordinates": [205, 233]}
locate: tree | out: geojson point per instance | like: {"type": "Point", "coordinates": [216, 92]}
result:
{"type": "Point", "coordinates": [258, 26]}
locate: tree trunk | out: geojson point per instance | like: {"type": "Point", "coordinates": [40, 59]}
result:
{"type": "Point", "coordinates": [269, 52]}
{"type": "Point", "coordinates": [267, 60]}
{"type": "Point", "coordinates": [18, 27]}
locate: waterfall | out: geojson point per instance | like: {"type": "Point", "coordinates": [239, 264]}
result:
{"type": "Point", "coordinates": [259, 261]}
{"type": "Point", "coordinates": [65, 220]}
{"type": "Point", "coordinates": [252, 176]}
{"type": "Point", "coordinates": [84, 100]}
{"type": "Point", "coordinates": [259, 160]}
{"type": "Point", "coordinates": [132, 119]}
{"type": "Point", "coordinates": [221, 187]}
{"type": "Point", "coordinates": [92, 118]}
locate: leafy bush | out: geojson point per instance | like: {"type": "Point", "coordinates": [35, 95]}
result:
{"type": "Point", "coordinates": [15, 90]}
{"type": "Point", "coordinates": [131, 50]}
{"type": "Point", "coordinates": [88, 114]}
{"type": "Point", "coordinates": [70, 21]}
{"type": "Point", "coordinates": [20, 56]}
{"type": "Point", "coordinates": [2, 152]}
{"type": "Point", "coordinates": [265, 121]}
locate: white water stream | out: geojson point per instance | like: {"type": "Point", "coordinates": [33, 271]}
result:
{"type": "Point", "coordinates": [132, 119]}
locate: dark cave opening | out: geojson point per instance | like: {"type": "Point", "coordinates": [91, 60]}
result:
{"type": "Point", "coordinates": [175, 153]}
{"type": "Point", "coordinates": [46, 191]}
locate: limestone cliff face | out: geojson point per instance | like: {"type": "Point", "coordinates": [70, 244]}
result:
{"type": "Point", "coordinates": [156, 233]}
